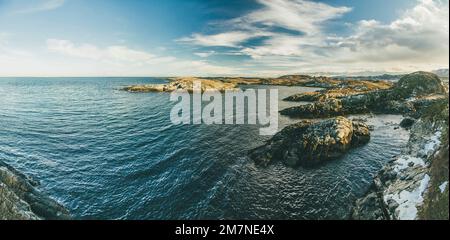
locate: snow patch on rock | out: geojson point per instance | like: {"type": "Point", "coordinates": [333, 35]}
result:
{"type": "Point", "coordinates": [432, 143]}
{"type": "Point", "coordinates": [405, 161]}
{"type": "Point", "coordinates": [408, 201]}
{"type": "Point", "coordinates": [443, 186]}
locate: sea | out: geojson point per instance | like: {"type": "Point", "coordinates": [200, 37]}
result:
{"type": "Point", "coordinates": [109, 154]}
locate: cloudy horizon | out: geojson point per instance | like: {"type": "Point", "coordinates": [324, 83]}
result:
{"type": "Point", "coordinates": [211, 38]}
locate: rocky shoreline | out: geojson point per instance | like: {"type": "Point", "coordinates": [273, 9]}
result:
{"type": "Point", "coordinates": [413, 185]}
{"type": "Point", "coordinates": [20, 199]}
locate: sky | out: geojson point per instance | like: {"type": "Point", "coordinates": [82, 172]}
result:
{"type": "Point", "coordinates": [221, 38]}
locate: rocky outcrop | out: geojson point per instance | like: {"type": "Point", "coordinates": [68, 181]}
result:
{"type": "Point", "coordinates": [409, 95]}
{"type": "Point", "coordinates": [303, 80]}
{"type": "Point", "coordinates": [309, 143]}
{"type": "Point", "coordinates": [186, 83]}
{"type": "Point", "coordinates": [342, 89]}
{"type": "Point", "coordinates": [418, 84]}
{"type": "Point", "coordinates": [20, 200]}
{"type": "Point", "coordinates": [414, 184]}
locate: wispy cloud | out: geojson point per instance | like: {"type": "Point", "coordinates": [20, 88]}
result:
{"type": "Point", "coordinates": [226, 39]}
{"type": "Point", "coordinates": [298, 15]}
{"type": "Point", "coordinates": [110, 53]}
{"type": "Point", "coordinates": [301, 16]}
{"type": "Point", "coordinates": [205, 54]}
{"type": "Point", "coordinates": [40, 6]}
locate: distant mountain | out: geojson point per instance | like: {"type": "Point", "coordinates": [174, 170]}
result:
{"type": "Point", "coordinates": [388, 77]}
{"type": "Point", "coordinates": [441, 72]}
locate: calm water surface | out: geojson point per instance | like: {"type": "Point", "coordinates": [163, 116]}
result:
{"type": "Point", "coordinates": [109, 154]}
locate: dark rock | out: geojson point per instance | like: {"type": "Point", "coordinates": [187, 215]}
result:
{"type": "Point", "coordinates": [387, 175]}
{"type": "Point", "coordinates": [368, 208]}
{"type": "Point", "coordinates": [392, 205]}
{"type": "Point", "coordinates": [306, 97]}
{"type": "Point", "coordinates": [20, 200]}
{"type": "Point", "coordinates": [309, 143]}
{"type": "Point", "coordinates": [327, 108]}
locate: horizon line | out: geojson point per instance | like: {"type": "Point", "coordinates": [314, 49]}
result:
{"type": "Point", "coordinates": [317, 74]}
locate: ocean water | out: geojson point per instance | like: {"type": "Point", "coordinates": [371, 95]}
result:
{"type": "Point", "coordinates": [109, 154]}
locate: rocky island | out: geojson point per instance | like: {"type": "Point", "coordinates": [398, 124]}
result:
{"type": "Point", "coordinates": [309, 143]}
{"type": "Point", "coordinates": [20, 200]}
{"type": "Point", "coordinates": [231, 83]}
{"type": "Point", "coordinates": [183, 83]}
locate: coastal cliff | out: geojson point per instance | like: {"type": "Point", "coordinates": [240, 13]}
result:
{"type": "Point", "coordinates": [20, 200]}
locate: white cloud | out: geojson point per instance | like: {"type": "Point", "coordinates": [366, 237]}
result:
{"type": "Point", "coordinates": [40, 6]}
{"type": "Point", "coordinates": [281, 45]}
{"type": "Point", "coordinates": [417, 40]}
{"type": "Point", "coordinates": [226, 39]}
{"type": "Point", "coordinates": [420, 37]}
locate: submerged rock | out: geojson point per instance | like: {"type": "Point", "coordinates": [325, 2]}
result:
{"type": "Point", "coordinates": [309, 143]}
{"type": "Point", "coordinates": [20, 200]}
{"type": "Point", "coordinates": [407, 122]}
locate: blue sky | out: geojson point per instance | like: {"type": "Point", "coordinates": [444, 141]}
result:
{"type": "Point", "coordinates": [208, 38]}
